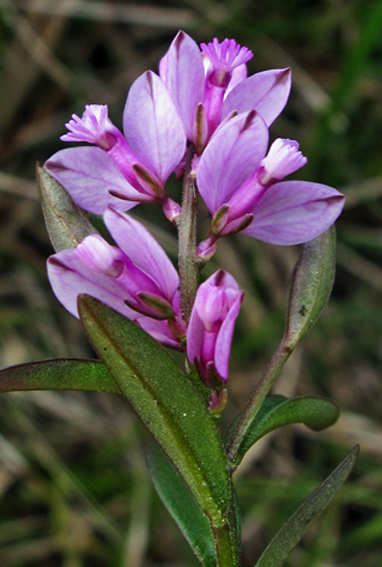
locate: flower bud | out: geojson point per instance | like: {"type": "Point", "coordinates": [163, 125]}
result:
{"type": "Point", "coordinates": [211, 327]}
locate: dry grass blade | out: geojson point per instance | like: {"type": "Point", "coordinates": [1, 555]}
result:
{"type": "Point", "coordinates": [27, 53]}
{"type": "Point", "coordinates": [363, 192]}
{"type": "Point", "coordinates": [102, 11]}
{"type": "Point", "coordinates": [18, 186]}
{"type": "Point", "coordinates": [38, 49]}
{"type": "Point", "coordinates": [310, 90]}
{"type": "Point", "coordinates": [356, 264]}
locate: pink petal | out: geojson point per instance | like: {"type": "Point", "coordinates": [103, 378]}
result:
{"type": "Point", "coordinates": [152, 126]}
{"type": "Point", "coordinates": [266, 92]}
{"type": "Point", "coordinates": [159, 331]}
{"type": "Point", "coordinates": [182, 71]}
{"type": "Point", "coordinates": [239, 74]}
{"type": "Point", "coordinates": [69, 277]}
{"type": "Point", "coordinates": [231, 156]}
{"type": "Point", "coordinates": [143, 250]}
{"type": "Point", "coordinates": [89, 174]}
{"type": "Point", "coordinates": [224, 340]}
{"type": "Point", "coordinates": [292, 212]}
{"type": "Point", "coordinates": [222, 279]}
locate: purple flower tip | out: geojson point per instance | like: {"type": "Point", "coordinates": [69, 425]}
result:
{"type": "Point", "coordinates": [227, 55]}
{"type": "Point", "coordinates": [93, 127]}
{"type": "Point", "coordinates": [283, 158]}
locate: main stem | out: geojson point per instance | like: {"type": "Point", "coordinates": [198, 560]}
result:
{"type": "Point", "coordinates": [188, 263]}
{"type": "Point", "coordinates": [227, 551]}
{"type": "Point", "coordinates": [189, 266]}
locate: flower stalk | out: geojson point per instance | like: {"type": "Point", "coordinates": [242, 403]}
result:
{"type": "Point", "coordinates": [188, 261]}
{"type": "Point", "coordinates": [259, 394]}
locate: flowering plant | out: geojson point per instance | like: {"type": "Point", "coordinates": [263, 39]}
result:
{"type": "Point", "coordinates": [204, 120]}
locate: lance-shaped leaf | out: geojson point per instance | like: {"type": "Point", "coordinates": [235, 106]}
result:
{"type": "Point", "coordinates": [291, 532]}
{"type": "Point", "coordinates": [58, 374]}
{"type": "Point", "coordinates": [276, 411]}
{"type": "Point", "coordinates": [66, 223]}
{"type": "Point", "coordinates": [311, 285]}
{"type": "Point", "coordinates": [166, 401]}
{"type": "Point", "coordinates": [182, 506]}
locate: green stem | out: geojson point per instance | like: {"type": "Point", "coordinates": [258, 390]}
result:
{"type": "Point", "coordinates": [266, 382]}
{"type": "Point", "coordinates": [189, 266]}
{"type": "Point", "coordinates": [226, 538]}
{"type": "Point", "coordinates": [226, 549]}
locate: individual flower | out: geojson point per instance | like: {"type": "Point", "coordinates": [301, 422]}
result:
{"type": "Point", "coordinates": [243, 191]}
{"type": "Point", "coordinates": [122, 169]}
{"type": "Point", "coordinates": [210, 83]}
{"type": "Point", "coordinates": [136, 278]}
{"type": "Point", "coordinates": [211, 327]}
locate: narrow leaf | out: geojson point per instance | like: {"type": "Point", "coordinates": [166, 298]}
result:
{"type": "Point", "coordinates": [58, 374]}
{"type": "Point", "coordinates": [182, 506]}
{"type": "Point", "coordinates": [291, 532]}
{"type": "Point", "coordinates": [66, 223]}
{"type": "Point", "coordinates": [311, 286]}
{"type": "Point", "coordinates": [276, 411]}
{"type": "Point", "coordinates": [166, 401]}
{"type": "Point", "coordinates": [310, 290]}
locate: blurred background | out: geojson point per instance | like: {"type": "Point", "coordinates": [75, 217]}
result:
{"type": "Point", "coordinates": [73, 484]}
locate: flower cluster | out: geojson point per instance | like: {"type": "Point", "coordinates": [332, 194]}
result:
{"type": "Point", "coordinates": [204, 119]}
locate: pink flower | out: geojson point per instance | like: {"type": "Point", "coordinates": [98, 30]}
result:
{"type": "Point", "coordinates": [136, 278]}
{"type": "Point", "coordinates": [207, 85]}
{"type": "Point", "coordinates": [243, 192]}
{"type": "Point", "coordinates": [122, 170]}
{"type": "Point", "coordinates": [94, 127]}
{"type": "Point", "coordinates": [211, 327]}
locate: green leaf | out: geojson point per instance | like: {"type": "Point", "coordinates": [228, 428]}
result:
{"type": "Point", "coordinates": [311, 285]}
{"type": "Point", "coordinates": [166, 401]}
{"type": "Point", "coordinates": [182, 506]}
{"type": "Point", "coordinates": [58, 374]}
{"type": "Point", "coordinates": [291, 532]}
{"type": "Point", "coordinates": [276, 411]}
{"type": "Point", "coordinates": [66, 223]}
